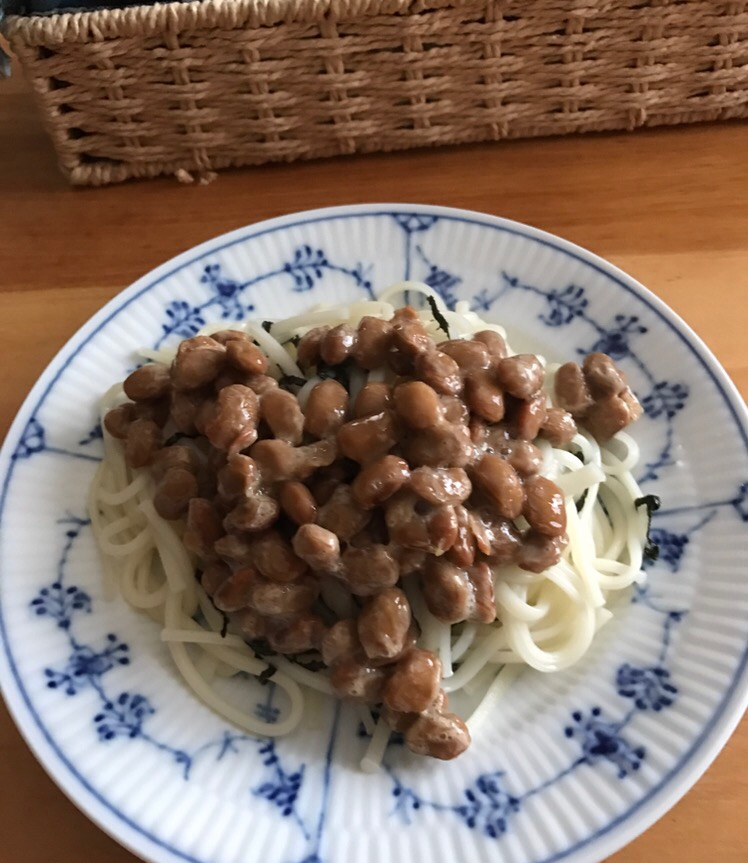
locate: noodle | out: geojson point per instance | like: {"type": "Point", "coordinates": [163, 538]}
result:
{"type": "Point", "coordinates": [378, 743]}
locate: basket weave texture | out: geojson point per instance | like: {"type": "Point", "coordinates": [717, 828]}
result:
{"type": "Point", "coordinates": [200, 86]}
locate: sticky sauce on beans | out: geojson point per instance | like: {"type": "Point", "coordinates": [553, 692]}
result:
{"type": "Point", "coordinates": [429, 474]}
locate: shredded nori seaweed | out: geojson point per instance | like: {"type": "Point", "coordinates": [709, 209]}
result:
{"type": "Point", "coordinates": [291, 383]}
{"type": "Point", "coordinates": [176, 437]}
{"type": "Point", "coordinates": [340, 373]}
{"type": "Point", "coordinates": [652, 503]}
{"type": "Point", "coordinates": [438, 316]}
{"type": "Point", "coordinates": [260, 648]}
{"type": "Point", "coordinates": [267, 674]}
{"type": "Point", "coordinates": [307, 661]}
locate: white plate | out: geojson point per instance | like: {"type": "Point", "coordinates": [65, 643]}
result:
{"type": "Point", "coordinates": [574, 765]}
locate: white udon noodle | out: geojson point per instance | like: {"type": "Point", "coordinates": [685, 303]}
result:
{"type": "Point", "coordinates": [546, 621]}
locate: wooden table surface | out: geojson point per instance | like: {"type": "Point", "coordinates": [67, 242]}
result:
{"type": "Point", "coordinates": [668, 206]}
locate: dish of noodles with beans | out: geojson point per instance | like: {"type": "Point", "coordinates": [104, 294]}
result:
{"type": "Point", "coordinates": [382, 504]}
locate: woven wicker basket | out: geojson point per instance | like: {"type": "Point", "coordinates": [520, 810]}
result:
{"type": "Point", "coordinates": [199, 86]}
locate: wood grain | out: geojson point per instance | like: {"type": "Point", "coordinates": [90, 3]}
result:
{"type": "Point", "coordinates": [668, 206]}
